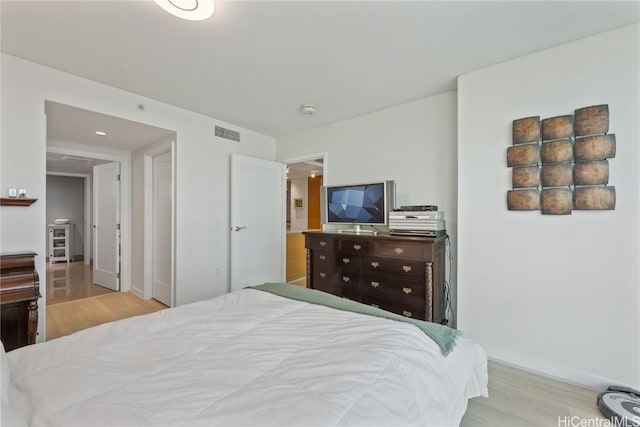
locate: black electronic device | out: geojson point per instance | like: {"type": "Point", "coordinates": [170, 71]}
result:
{"type": "Point", "coordinates": [417, 208]}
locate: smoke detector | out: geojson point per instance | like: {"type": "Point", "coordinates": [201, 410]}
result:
{"type": "Point", "coordinates": [308, 109]}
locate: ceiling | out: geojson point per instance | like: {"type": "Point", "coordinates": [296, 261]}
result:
{"type": "Point", "coordinates": [255, 63]}
{"type": "Point", "coordinates": [71, 124]}
{"type": "Point", "coordinates": [305, 169]}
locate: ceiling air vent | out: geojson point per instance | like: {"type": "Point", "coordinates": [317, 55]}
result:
{"type": "Point", "coordinates": [229, 134]}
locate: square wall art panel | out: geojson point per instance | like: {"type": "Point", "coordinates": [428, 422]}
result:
{"type": "Point", "coordinates": [560, 164]}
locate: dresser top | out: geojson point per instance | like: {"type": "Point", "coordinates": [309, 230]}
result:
{"type": "Point", "coordinates": [7, 255]}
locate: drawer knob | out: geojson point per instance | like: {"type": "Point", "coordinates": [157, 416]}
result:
{"type": "Point", "coordinates": [357, 247]}
{"type": "Point", "coordinates": [323, 257]}
{"type": "Point", "coordinates": [406, 290]}
{"type": "Point", "coordinates": [375, 264]}
{"type": "Point", "coordinates": [323, 275]}
{"type": "Point", "coordinates": [375, 284]}
{"type": "Point", "coordinates": [406, 268]}
{"type": "Point", "coordinates": [375, 306]}
{"type": "Point", "coordinates": [398, 250]}
{"type": "Point", "coordinates": [346, 260]}
{"type": "Point", "coordinates": [323, 244]}
{"type": "Point", "coordinates": [345, 279]}
{"type": "Point", "coordinates": [407, 313]}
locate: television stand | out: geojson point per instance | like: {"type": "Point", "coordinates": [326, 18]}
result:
{"type": "Point", "coordinates": [400, 274]}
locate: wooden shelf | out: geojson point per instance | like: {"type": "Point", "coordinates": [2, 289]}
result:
{"type": "Point", "coordinates": [15, 201]}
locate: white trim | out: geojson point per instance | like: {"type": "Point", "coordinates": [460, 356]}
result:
{"type": "Point", "coordinates": [306, 158]}
{"type": "Point", "coordinates": [86, 241]}
{"type": "Point", "coordinates": [125, 194]}
{"type": "Point", "coordinates": [549, 369]}
{"type": "Point", "coordinates": [288, 161]}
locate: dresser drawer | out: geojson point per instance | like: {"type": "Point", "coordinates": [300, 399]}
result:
{"type": "Point", "coordinates": [348, 291]}
{"type": "Point", "coordinates": [398, 307]}
{"type": "Point", "coordinates": [347, 262]}
{"type": "Point", "coordinates": [387, 287]}
{"type": "Point", "coordinates": [324, 277]}
{"type": "Point", "coordinates": [355, 246]}
{"type": "Point", "coordinates": [323, 260]}
{"type": "Point", "coordinates": [403, 268]}
{"type": "Point", "coordinates": [404, 250]}
{"type": "Point", "coordinates": [324, 243]}
{"type": "Point", "coordinates": [346, 278]}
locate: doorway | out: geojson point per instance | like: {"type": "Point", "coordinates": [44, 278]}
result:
{"type": "Point", "coordinates": [69, 267]}
{"type": "Point", "coordinates": [86, 139]}
{"type": "Point", "coordinates": [305, 177]}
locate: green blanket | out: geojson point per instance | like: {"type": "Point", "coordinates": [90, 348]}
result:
{"type": "Point", "coordinates": [444, 336]}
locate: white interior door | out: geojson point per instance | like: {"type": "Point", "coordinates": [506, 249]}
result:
{"type": "Point", "coordinates": [161, 234]}
{"type": "Point", "coordinates": [106, 223]}
{"type": "Point", "coordinates": [257, 221]}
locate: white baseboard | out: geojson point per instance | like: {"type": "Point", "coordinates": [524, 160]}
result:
{"type": "Point", "coordinates": [551, 370]}
{"type": "Point", "coordinates": [137, 292]}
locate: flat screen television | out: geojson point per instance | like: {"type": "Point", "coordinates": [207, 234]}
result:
{"type": "Point", "coordinates": [358, 204]}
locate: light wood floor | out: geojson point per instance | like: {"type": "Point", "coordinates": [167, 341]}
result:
{"type": "Point", "coordinates": [68, 317]}
{"type": "Point", "coordinates": [70, 282]}
{"type": "Point", "coordinates": [517, 398]}
{"type": "Point", "coordinates": [520, 399]}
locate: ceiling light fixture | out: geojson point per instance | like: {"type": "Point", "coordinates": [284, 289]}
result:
{"type": "Point", "coordinates": [193, 10]}
{"type": "Point", "coordinates": [101, 133]}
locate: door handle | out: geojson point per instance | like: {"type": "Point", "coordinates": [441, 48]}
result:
{"type": "Point", "coordinates": [238, 228]}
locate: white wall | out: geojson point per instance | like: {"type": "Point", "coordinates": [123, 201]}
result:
{"type": "Point", "coordinates": [555, 294]}
{"type": "Point", "coordinates": [299, 190]}
{"type": "Point", "coordinates": [65, 199]}
{"type": "Point", "coordinates": [202, 169]}
{"type": "Point", "coordinates": [413, 144]}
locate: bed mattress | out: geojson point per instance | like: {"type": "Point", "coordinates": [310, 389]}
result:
{"type": "Point", "coordinates": [243, 359]}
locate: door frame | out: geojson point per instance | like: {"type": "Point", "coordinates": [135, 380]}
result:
{"type": "Point", "coordinates": [302, 159]}
{"type": "Point", "coordinates": [125, 207]}
{"type": "Point", "coordinates": [299, 159]}
{"type": "Point", "coordinates": [169, 146]}
{"type": "Point", "coordinates": [86, 241]}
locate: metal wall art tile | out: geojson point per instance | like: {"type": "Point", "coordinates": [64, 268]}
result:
{"type": "Point", "coordinates": [561, 163]}
{"type": "Point", "coordinates": [526, 130]}
{"type": "Point", "coordinates": [557, 128]}
{"type": "Point", "coordinates": [523, 155]}
{"type": "Point", "coordinates": [523, 200]}
{"type": "Point", "coordinates": [558, 151]}
{"type": "Point", "coordinates": [556, 201]}
{"type": "Point", "coordinates": [592, 120]}
{"type": "Point", "coordinates": [526, 177]}
{"type": "Point", "coordinates": [557, 175]}
{"type": "Point", "coordinates": [596, 147]}
{"type": "Point", "coordinates": [591, 173]}
{"type": "Point", "coordinates": [595, 198]}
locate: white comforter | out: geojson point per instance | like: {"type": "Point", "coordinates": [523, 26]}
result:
{"type": "Point", "coordinates": [248, 358]}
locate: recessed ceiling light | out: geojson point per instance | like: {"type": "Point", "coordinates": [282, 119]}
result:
{"type": "Point", "coordinates": [193, 10]}
{"type": "Point", "coordinates": [101, 133]}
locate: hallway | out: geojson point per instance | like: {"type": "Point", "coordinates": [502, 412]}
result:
{"type": "Point", "coordinates": [70, 282]}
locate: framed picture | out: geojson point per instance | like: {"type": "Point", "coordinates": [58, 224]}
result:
{"type": "Point", "coordinates": [297, 203]}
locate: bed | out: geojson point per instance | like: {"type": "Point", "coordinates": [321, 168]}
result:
{"type": "Point", "coordinates": [246, 358]}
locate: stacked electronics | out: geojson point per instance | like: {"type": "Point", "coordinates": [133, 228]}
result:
{"type": "Point", "coordinates": [422, 220]}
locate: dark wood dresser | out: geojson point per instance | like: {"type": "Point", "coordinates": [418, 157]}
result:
{"type": "Point", "coordinates": [19, 293]}
{"type": "Point", "coordinates": [403, 275]}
